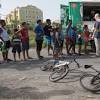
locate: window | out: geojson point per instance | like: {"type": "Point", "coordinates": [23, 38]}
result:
{"type": "Point", "coordinates": [89, 11]}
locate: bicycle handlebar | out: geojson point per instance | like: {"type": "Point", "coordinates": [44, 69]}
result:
{"type": "Point", "coordinates": [90, 66]}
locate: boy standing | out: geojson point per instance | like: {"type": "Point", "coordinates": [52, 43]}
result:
{"type": "Point", "coordinates": [73, 40]}
{"type": "Point", "coordinates": [47, 32]}
{"type": "Point", "coordinates": [57, 44]}
{"type": "Point", "coordinates": [68, 38]}
{"type": "Point", "coordinates": [25, 40]}
{"type": "Point", "coordinates": [39, 37]}
{"type": "Point", "coordinates": [5, 37]}
{"type": "Point", "coordinates": [16, 44]}
{"type": "Point", "coordinates": [86, 37]}
{"type": "Point", "coordinates": [79, 43]}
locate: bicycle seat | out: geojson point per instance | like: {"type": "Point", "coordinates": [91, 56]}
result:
{"type": "Point", "coordinates": [87, 66]}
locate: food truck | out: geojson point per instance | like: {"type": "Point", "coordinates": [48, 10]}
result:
{"type": "Point", "coordinates": [81, 12]}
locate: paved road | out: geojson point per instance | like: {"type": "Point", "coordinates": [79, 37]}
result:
{"type": "Point", "coordinates": [25, 81]}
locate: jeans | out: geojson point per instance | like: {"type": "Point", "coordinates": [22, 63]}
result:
{"type": "Point", "coordinates": [97, 44]}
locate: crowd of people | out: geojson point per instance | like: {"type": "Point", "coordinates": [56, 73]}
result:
{"type": "Point", "coordinates": [19, 41]}
{"type": "Point", "coordinates": [54, 36]}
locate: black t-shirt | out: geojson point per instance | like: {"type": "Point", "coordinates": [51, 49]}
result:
{"type": "Point", "coordinates": [47, 30]}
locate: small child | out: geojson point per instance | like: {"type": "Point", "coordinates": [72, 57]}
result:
{"type": "Point", "coordinates": [79, 43]}
{"type": "Point", "coordinates": [62, 41]}
{"type": "Point", "coordinates": [86, 37]}
{"type": "Point", "coordinates": [57, 45]}
{"type": "Point", "coordinates": [73, 39]}
{"type": "Point", "coordinates": [16, 44]}
{"type": "Point", "coordinates": [25, 40]}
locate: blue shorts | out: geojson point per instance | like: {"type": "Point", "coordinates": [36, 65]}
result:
{"type": "Point", "coordinates": [49, 40]}
{"type": "Point", "coordinates": [25, 46]}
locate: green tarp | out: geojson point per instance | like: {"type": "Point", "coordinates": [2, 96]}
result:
{"type": "Point", "coordinates": [76, 14]}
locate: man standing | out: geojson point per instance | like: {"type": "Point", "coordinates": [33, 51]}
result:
{"type": "Point", "coordinates": [47, 32]}
{"type": "Point", "coordinates": [39, 37]}
{"type": "Point", "coordinates": [96, 34]}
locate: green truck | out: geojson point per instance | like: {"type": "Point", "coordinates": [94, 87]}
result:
{"type": "Point", "coordinates": [81, 12]}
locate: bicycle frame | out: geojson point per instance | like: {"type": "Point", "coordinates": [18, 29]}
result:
{"type": "Point", "coordinates": [74, 60]}
{"type": "Point", "coordinates": [90, 66]}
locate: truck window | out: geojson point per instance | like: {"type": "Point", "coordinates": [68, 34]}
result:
{"type": "Point", "coordinates": [89, 10]}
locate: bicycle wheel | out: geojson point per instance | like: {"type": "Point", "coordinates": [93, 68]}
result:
{"type": "Point", "coordinates": [44, 68]}
{"type": "Point", "coordinates": [87, 83]}
{"type": "Point", "coordinates": [58, 73]}
{"type": "Point", "coordinates": [96, 79]}
{"type": "Point", "coordinates": [47, 65]}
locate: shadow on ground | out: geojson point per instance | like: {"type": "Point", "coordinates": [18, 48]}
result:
{"type": "Point", "coordinates": [31, 93]}
{"type": "Point", "coordinates": [35, 63]}
{"type": "Point", "coordinates": [24, 65]}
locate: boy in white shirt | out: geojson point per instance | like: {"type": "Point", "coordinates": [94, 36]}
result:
{"type": "Point", "coordinates": [5, 37]}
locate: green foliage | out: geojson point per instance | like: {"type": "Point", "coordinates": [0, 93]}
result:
{"type": "Point", "coordinates": [32, 39]}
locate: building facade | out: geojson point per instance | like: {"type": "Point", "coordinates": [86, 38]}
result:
{"type": "Point", "coordinates": [29, 14]}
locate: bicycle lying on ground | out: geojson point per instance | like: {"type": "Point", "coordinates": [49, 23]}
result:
{"type": "Point", "coordinates": [48, 65]}
{"type": "Point", "coordinates": [90, 81]}
{"type": "Point", "coordinates": [61, 70]}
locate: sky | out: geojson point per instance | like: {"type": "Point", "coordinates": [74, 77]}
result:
{"type": "Point", "coordinates": [50, 8]}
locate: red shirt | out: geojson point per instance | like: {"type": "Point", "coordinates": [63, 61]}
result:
{"type": "Point", "coordinates": [86, 35]}
{"type": "Point", "coordinates": [24, 35]}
